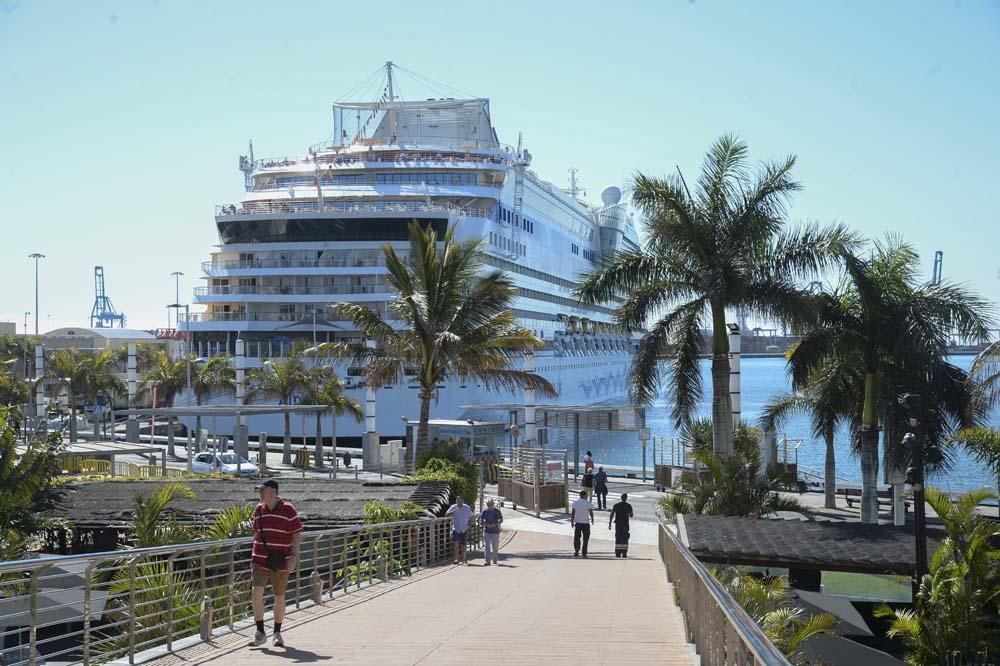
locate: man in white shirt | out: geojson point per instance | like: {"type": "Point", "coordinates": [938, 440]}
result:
{"type": "Point", "coordinates": [461, 519]}
{"type": "Point", "coordinates": [579, 511]}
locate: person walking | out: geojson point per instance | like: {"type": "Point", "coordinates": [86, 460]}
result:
{"type": "Point", "coordinates": [588, 483]}
{"type": "Point", "coordinates": [588, 461]}
{"type": "Point", "coordinates": [461, 519]}
{"type": "Point", "coordinates": [579, 511]}
{"type": "Point", "coordinates": [601, 488]}
{"type": "Point", "coordinates": [491, 519]}
{"type": "Point", "coordinates": [277, 536]}
{"type": "Point", "coordinates": [620, 514]}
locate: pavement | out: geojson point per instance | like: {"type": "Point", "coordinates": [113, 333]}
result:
{"type": "Point", "coordinates": [540, 605]}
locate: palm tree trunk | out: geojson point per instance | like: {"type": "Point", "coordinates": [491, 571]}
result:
{"type": "Point", "coordinates": [197, 423]}
{"type": "Point", "coordinates": [830, 474]}
{"type": "Point", "coordinates": [425, 416]}
{"type": "Point", "coordinates": [171, 452]}
{"type": "Point", "coordinates": [72, 418]}
{"type": "Point", "coordinates": [286, 454]}
{"type": "Point", "coordinates": [869, 454]}
{"type": "Point", "coordinates": [319, 439]}
{"type": "Point", "coordinates": [333, 440]}
{"type": "Point", "coordinates": [722, 406]}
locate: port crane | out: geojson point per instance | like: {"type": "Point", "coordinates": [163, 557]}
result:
{"type": "Point", "coordinates": [103, 314]}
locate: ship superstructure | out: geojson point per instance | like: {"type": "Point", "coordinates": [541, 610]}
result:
{"type": "Point", "coordinates": [309, 231]}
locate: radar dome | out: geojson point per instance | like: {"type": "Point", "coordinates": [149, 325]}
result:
{"type": "Point", "coordinates": [611, 195]}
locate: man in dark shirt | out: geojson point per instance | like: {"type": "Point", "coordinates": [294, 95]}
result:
{"type": "Point", "coordinates": [620, 514]}
{"type": "Point", "coordinates": [491, 519]}
{"type": "Point", "coordinates": [601, 488]}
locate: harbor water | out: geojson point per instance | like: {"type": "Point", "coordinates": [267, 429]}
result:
{"type": "Point", "coordinates": [763, 378]}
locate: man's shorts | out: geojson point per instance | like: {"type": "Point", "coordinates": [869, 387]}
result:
{"type": "Point", "coordinates": [279, 579]}
{"type": "Point", "coordinates": [458, 537]}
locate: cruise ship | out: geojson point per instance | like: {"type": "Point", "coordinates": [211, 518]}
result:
{"type": "Point", "coordinates": [309, 232]}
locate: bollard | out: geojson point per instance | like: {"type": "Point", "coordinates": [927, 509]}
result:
{"type": "Point", "coordinates": [206, 618]}
{"type": "Point", "coordinates": [317, 587]}
{"type": "Point", "coordinates": [262, 452]}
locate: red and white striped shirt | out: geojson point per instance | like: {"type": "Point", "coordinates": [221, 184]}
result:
{"type": "Point", "coordinates": [278, 527]}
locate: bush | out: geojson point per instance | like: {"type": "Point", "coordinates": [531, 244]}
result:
{"type": "Point", "coordinates": [461, 476]}
{"type": "Point", "coordinates": [377, 512]}
{"type": "Point", "coordinates": [447, 450]}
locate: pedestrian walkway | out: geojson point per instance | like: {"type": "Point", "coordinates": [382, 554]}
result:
{"type": "Point", "coordinates": [540, 605]}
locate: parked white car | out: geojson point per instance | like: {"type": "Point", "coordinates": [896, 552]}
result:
{"type": "Point", "coordinates": [223, 463]}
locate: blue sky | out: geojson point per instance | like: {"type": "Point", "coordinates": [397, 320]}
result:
{"type": "Point", "coordinates": [121, 122]}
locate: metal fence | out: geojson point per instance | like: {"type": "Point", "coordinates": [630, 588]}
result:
{"type": "Point", "coordinates": [722, 632]}
{"type": "Point", "coordinates": [100, 607]}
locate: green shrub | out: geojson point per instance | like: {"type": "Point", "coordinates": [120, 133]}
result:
{"type": "Point", "coordinates": [446, 450]}
{"type": "Point", "coordinates": [461, 476]}
{"type": "Point", "coordinates": [377, 512]}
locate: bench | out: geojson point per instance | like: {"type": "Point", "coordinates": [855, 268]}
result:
{"type": "Point", "coordinates": [852, 495]}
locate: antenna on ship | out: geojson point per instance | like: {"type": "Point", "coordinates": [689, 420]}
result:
{"type": "Point", "coordinates": [247, 167]}
{"type": "Point", "coordinates": [574, 188]}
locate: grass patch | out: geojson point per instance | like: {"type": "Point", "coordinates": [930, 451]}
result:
{"type": "Point", "coordinates": [868, 587]}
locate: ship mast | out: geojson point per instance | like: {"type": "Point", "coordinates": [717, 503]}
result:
{"type": "Point", "coordinates": [392, 97]}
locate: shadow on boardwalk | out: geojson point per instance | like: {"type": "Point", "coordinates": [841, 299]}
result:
{"type": "Point", "coordinates": [541, 605]}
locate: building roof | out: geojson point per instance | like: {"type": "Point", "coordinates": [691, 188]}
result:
{"type": "Point", "coordinates": [826, 546]}
{"type": "Point", "coordinates": [104, 333]}
{"type": "Point", "coordinates": [322, 503]}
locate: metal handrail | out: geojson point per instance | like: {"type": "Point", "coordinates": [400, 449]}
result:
{"type": "Point", "coordinates": [722, 632]}
{"type": "Point", "coordinates": [106, 606]}
{"type": "Point", "coordinates": [292, 206]}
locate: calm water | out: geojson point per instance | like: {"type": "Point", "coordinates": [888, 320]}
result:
{"type": "Point", "coordinates": [763, 378]}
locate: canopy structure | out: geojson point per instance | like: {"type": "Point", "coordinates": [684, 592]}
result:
{"type": "Point", "coordinates": [102, 449]}
{"type": "Point", "coordinates": [222, 410]}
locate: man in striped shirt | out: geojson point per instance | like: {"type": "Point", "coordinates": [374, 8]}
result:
{"type": "Point", "coordinates": [277, 534]}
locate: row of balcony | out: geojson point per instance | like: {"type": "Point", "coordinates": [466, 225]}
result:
{"type": "Point", "coordinates": [448, 156]}
{"type": "Point", "coordinates": [285, 262]}
{"type": "Point", "coordinates": [347, 207]}
{"type": "Point", "coordinates": [268, 290]}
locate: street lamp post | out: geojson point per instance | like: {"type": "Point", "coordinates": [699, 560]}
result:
{"type": "Point", "coordinates": [915, 441]}
{"type": "Point", "coordinates": [25, 345]}
{"type": "Point", "coordinates": [177, 297]}
{"type": "Point", "coordinates": [36, 256]}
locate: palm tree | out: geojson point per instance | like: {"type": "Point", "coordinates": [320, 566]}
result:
{"type": "Point", "coordinates": [24, 476]}
{"type": "Point", "coordinates": [768, 602]}
{"type": "Point", "coordinates": [827, 398]}
{"type": "Point", "coordinates": [323, 387]}
{"type": "Point", "coordinates": [215, 374]}
{"type": "Point", "coordinates": [456, 323]}
{"type": "Point", "coordinates": [281, 380]}
{"type": "Point", "coordinates": [168, 377]}
{"type": "Point", "coordinates": [949, 617]}
{"type": "Point", "coordinates": [985, 373]}
{"type": "Point", "coordinates": [984, 445]}
{"type": "Point", "coordinates": [148, 527]}
{"type": "Point", "coordinates": [895, 332]}
{"type": "Point", "coordinates": [83, 375]}
{"type": "Point", "coordinates": [723, 247]}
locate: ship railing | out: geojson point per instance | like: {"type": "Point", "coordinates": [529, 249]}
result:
{"type": "Point", "coordinates": [282, 207]}
{"type": "Point", "coordinates": [503, 156]}
{"type": "Point", "coordinates": [368, 181]}
{"type": "Point", "coordinates": [290, 317]}
{"type": "Point", "coordinates": [332, 262]}
{"type": "Point", "coordinates": [266, 290]}
{"type": "Point", "coordinates": [123, 606]}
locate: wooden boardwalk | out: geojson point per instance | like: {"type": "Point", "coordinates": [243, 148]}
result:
{"type": "Point", "coordinates": [541, 605]}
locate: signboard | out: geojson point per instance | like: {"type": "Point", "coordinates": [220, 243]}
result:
{"type": "Point", "coordinates": [644, 434]}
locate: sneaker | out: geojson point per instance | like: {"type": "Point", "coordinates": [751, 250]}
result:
{"type": "Point", "coordinates": [495, 562]}
{"type": "Point", "coordinates": [259, 638]}
{"type": "Point", "coordinates": [486, 564]}
{"type": "Point", "coordinates": [278, 640]}
{"type": "Point", "coordinates": [576, 554]}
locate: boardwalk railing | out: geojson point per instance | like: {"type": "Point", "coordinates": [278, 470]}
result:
{"type": "Point", "coordinates": [101, 607]}
{"type": "Point", "coordinates": [722, 632]}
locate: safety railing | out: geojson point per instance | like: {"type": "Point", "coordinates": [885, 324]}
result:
{"type": "Point", "coordinates": [293, 207]}
{"type": "Point", "coordinates": [453, 154]}
{"type": "Point", "coordinates": [267, 290]}
{"type": "Point", "coordinates": [112, 606]}
{"type": "Point", "coordinates": [340, 259]}
{"type": "Point", "coordinates": [722, 632]}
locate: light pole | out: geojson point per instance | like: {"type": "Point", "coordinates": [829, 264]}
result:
{"type": "Point", "coordinates": [177, 297]}
{"type": "Point", "coordinates": [36, 256]}
{"type": "Point", "coordinates": [25, 345]}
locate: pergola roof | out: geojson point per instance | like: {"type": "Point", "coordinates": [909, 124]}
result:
{"type": "Point", "coordinates": [798, 544]}
{"type": "Point", "coordinates": [585, 417]}
{"type": "Point", "coordinates": [223, 410]}
{"type": "Point", "coordinates": [103, 449]}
